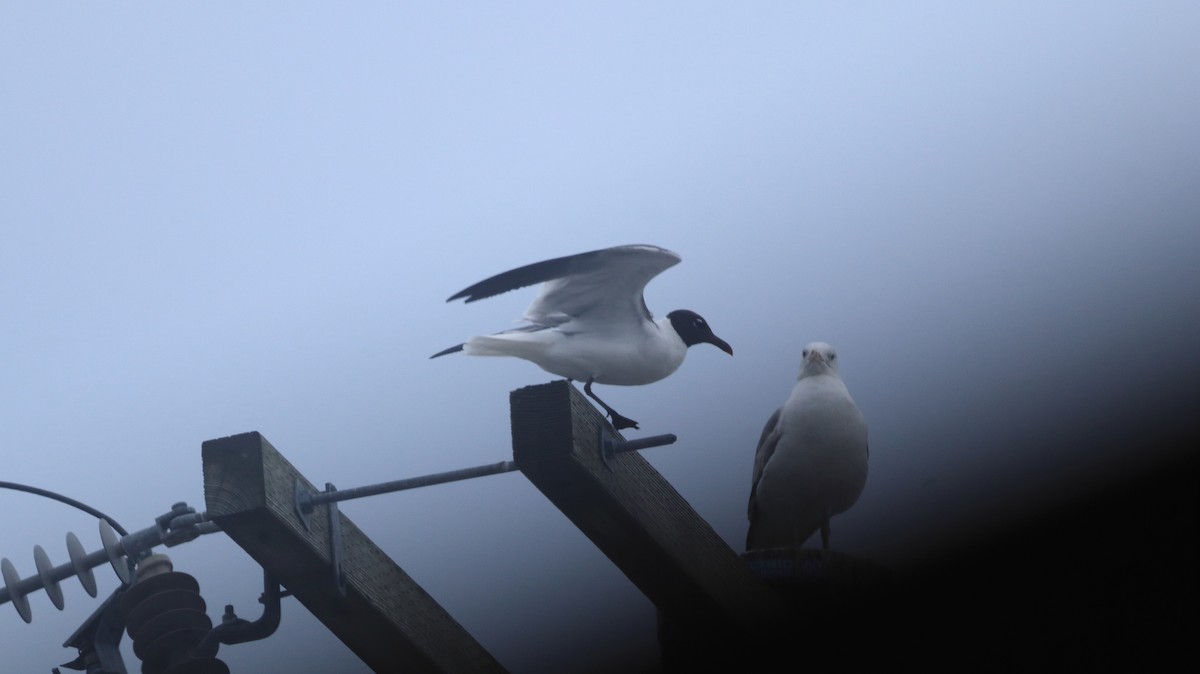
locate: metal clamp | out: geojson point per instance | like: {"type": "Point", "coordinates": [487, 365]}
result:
{"type": "Point", "coordinates": [305, 501]}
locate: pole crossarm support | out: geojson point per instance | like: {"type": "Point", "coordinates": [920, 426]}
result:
{"type": "Point", "coordinates": [636, 518]}
{"type": "Point", "coordinates": [384, 617]}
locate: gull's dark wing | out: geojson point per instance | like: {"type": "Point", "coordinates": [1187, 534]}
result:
{"type": "Point", "coordinates": [538, 272]}
{"type": "Point", "coordinates": [766, 447]}
{"type": "Point", "coordinates": [607, 282]}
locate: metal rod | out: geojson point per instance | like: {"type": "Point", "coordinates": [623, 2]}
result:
{"type": "Point", "coordinates": [308, 500]}
{"type": "Point", "coordinates": [313, 499]}
{"type": "Point", "coordinates": [644, 443]}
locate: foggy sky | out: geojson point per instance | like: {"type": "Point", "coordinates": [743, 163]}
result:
{"type": "Point", "coordinates": [220, 218]}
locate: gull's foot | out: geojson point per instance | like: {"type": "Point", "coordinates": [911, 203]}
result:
{"type": "Point", "coordinates": [619, 422]}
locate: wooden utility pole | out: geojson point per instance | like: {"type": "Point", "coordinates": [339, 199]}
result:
{"type": "Point", "coordinates": [384, 616]}
{"type": "Point", "coordinates": [710, 603]}
{"type": "Point", "coordinates": [630, 511]}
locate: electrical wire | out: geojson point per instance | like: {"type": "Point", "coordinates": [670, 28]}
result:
{"type": "Point", "coordinates": [15, 486]}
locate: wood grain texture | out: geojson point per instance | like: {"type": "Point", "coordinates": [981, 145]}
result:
{"type": "Point", "coordinates": [634, 515]}
{"type": "Point", "coordinates": [386, 618]}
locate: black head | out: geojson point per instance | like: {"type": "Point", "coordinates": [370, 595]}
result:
{"type": "Point", "coordinates": [693, 330]}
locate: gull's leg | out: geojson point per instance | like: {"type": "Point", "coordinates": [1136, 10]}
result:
{"type": "Point", "coordinates": [825, 534]}
{"type": "Point", "coordinates": [618, 421]}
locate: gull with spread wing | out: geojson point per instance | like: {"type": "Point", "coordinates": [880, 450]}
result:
{"type": "Point", "coordinates": [590, 322]}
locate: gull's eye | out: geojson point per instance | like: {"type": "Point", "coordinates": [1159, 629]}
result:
{"type": "Point", "coordinates": [833, 356]}
{"type": "Point", "coordinates": [804, 353]}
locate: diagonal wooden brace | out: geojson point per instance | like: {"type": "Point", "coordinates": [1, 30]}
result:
{"type": "Point", "coordinates": [384, 616]}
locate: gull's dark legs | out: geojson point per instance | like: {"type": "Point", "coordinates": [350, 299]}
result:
{"type": "Point", "coordinates": [618, 421]}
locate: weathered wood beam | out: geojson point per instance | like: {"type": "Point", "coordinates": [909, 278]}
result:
{"type": "Point", "coordinates": [385, 617]}
{"type": "Point", "coordinates": [635, 516]}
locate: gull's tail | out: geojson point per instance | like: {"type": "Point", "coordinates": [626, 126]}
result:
{"type": "Point", "coordinates": [454, 349]}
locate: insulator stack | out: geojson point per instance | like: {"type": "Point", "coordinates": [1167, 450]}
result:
{"type": "Point", "coordinates": [165, 616]}
{"type": "Point", "coordinates": [16, 589]}
{"type": "Point", "coordinates": [180, 525]}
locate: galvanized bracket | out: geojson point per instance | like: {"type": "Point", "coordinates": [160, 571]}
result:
{"type": "Point", "coordinates": [98, 639]}
{"type": "Point", "coordinates": [335, 543]}
{"type": "Point", "coordinates": [304, 502]}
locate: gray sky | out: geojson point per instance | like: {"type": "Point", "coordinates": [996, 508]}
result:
{"type": "Point", "coordinates": [223, 218]}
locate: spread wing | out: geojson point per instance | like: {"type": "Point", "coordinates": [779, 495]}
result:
{"type": "Point", "coordinates": [605, 284]}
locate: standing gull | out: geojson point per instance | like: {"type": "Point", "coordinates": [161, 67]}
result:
{"type": "Point", "coordinates": [590, 321]}
{"type": "Point", "coordinates": [811, 462]}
